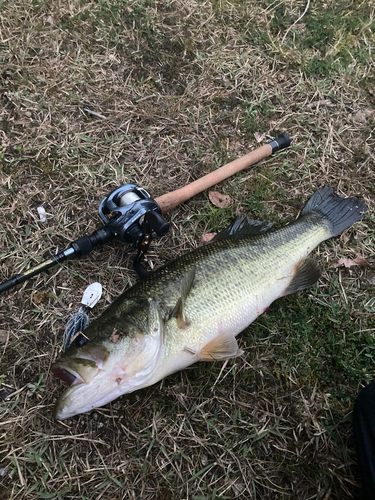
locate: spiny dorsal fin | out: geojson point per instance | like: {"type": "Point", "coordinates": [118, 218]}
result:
{"type": "Point", "coordinates": [224, 346]}
{"type": "Point", "coordinates": [243, 226]}
{"type": "Point", "coordinates": [307, 273]}
{"type": "Point", "coordinates": [179, 309]}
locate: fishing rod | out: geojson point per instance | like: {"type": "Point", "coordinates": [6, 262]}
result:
{"type": "Point", "coordinates": [129, 213]}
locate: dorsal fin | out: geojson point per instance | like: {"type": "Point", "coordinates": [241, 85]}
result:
{"type": "Point", "coordinates": [179, 309]}
{"type": "Point", "coordinates": [243, 226]}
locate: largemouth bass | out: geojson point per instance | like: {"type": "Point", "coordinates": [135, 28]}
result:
{"type": "Point", "coordinates": [192, 308]}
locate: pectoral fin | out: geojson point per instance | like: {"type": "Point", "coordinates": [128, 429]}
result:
{"type": "Point", "coordinates": [224, 346]}
{"type": "Point", "coordinates": [179, 310]}
{"type": "Point", "coordinates": [155, 321]}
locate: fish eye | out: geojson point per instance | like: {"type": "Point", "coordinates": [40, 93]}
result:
{"type": "Point", "coordinates": [80, 340]}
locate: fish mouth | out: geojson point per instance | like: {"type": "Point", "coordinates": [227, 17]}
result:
{"type": "Point", "coordinates": [80, 366]}
{"type": "Point", "coordinates": [99, 374]}
{"type": "Point", "coordinates": [83, 395]}
{"type": "Point", "coordinates": [81, 375]}
{"type": "Point", "coordinates": [66, 374]}
{"type": "Point", "coordinates": [88, 375]}
{"type": "Point", "coordinates": [76, 370]}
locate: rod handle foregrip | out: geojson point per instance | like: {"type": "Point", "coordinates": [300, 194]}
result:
{"type": "Point", "coordinates": [170, 200]}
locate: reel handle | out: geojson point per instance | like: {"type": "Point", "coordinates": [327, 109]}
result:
{"type": "Point", "coordinates": [157, 223]}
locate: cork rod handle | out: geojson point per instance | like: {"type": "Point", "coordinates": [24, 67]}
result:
{"type": "Point", "coordinates": [170, 200]}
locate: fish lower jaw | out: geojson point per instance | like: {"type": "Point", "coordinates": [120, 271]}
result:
{"type": "Point", "coordinates": [82, 398]}
{"type": "Point", "coordinates": [67, 406]}
{"type": "Point", "coordinates": [109, 385]}
{"type": "Point", "coordinates": [102, 390]}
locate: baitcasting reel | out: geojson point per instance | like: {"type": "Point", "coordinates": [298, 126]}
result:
{"type": "Point", "coordinates": [132, 214]}
{"type": "Point", "coordinates": [133, 218]}
{"type": "Point", "coordinates": [129, 214]}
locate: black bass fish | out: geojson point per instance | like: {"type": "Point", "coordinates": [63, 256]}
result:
{"type": "Point", "coordinates": [192, 308]}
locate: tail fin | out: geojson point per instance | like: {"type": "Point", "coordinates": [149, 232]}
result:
{"type": "Point", "coordinates": [337, 213]}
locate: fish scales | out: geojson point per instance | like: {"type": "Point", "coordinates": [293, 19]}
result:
{"type": "Point", "coordinates": [232, 279]}
{"type": "Point", "coordinates": [192, 308]}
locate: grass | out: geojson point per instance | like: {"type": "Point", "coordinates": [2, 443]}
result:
{"type": "Point", "coordinates": [185, 87]}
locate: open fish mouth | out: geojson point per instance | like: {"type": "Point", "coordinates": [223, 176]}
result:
{"type": "Point", "coordinates": [67, 375]}
{"type": "Point", "coordinates": [77, 370]}
{"type": "Point", "coordinates": [87, 386]}
{"type": "Point", "coordinates": [81, 365]}
{"type": "Point", "coordinates": [90, 387]}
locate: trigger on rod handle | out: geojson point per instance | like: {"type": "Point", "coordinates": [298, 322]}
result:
{"type": "Point", "coordinates": [81, 246]}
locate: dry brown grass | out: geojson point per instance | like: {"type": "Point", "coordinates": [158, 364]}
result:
{"type": "Point", "coordinates": [184, 87]}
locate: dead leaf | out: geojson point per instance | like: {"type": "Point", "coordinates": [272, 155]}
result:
{"type": "Point", "coordinates": [207, 237]}
{"type": "Point", "coordinates": [363, 115]}
{"type": "Point", "coordinates": [259, 137]}
{"type": "Point", "coordinates": [41, 297]}
{"type": "Point", "coordinates": [220, 200]}
{"type": "Point", "coordinates": [348, 263]}
{"type": "Point", "coordinates": [49, 19]}
{"type": "Point", "coordinates": [361, 261]}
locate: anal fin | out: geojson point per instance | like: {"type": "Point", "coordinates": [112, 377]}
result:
{"type": "Point", "coordinates": [224, 346]}
{"type": "Point", "coordinates": [307, 273]}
